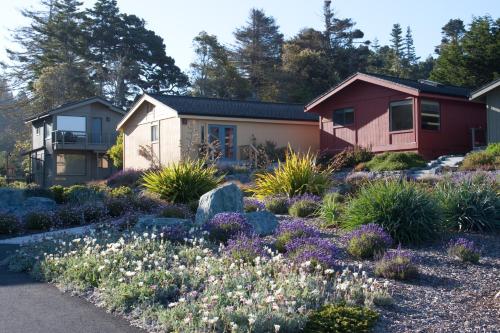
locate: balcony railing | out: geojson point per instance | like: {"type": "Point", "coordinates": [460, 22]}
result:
{"type": "Point", "coordinates": [77, 139]}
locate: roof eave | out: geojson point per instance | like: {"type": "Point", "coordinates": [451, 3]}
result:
{"type": "Point", "coordinates": [484, 89]}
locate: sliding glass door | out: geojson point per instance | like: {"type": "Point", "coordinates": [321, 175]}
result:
{"type": "Point", "coordinates": [224, 138]}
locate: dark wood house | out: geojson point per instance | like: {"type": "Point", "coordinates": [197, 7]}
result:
{"type": "Point", "coordinates": [393, 114]}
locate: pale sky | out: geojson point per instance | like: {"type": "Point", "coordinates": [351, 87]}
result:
{"type": "Point", "coordinates": [179, 21]}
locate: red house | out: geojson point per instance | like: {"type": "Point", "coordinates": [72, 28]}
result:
{"type": "Point", "coordinates": [393, 114]}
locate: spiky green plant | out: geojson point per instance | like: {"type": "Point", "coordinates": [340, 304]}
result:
{"type": "Point", "coordinates": [331, 208]}
{"type": "Point", "coordinates": [299, 174]}
{"type": "Point", "coordinates": [182, 182]}
{"type": "Point", "coordinates": [405, 210]}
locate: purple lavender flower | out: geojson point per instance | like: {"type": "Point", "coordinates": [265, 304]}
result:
{"type": "Point", "coordinates": [253, 205]}
{"type": "Point", "coordinates": [246, 248]}
{"type": "Point", "coordinates": [397, 264]}
{"type": "Point", "coordinates": [464, 249]}
{"type": "Point", "coordinates": [304, 197]}
{"type": "Point", "coordinates": [367, 241]}
{"type": "Point", "coordinates": [226, 225]}
{"type": "Point", "coordinates": [291, 229]}
{"type": "Point", "coordinates": [175, 232]}
{"type": "Point", "coordinates": [315, 250]}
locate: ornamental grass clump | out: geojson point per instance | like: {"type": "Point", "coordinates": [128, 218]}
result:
{"type": "Point", "coordinates": [253, 205]}
{"type": "Point", "coordinates": [368, 241]}
{"type": "Point", "coordinates": [396, 264]}
{"type": "Point", "coordinates": [289, 230]}
{"type": "Point", "coordinates": [470, 202]}
{"type": "Point", "coordinates": [312, 251]}
{"type": "Point", "coordinates": [331, 208]}
{"type": "Point", "coordinates": [224, 226]}
{"type": "Point", "coordinates": [277, 204]}
{"type": "Point", "coordinates": [299, 174]}
{"type": "Point", "coordinates": [182, 182]}
{"type": "Point", "coordinates": [406, 211]}
{"type": "Point", "coordinates": [245, 248]}
{"type": "Point", "coordinates": [391, 161]}
{"type": "Point", "coordinates": [464, 250]}
{"type": "Point", "coordinates": [304, 205]}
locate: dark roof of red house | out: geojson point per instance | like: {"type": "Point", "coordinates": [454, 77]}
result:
{"type": "Point", "coordinates": [412, 86]}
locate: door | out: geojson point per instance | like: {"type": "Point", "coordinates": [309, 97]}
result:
{"type": "Point", "coordinates": [223, 139]}
{"type": "Point", "coordinates": [96, 130]}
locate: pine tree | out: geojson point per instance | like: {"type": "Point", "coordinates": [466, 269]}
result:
{"type": "Point", "coordinates": [258, 53]}
{"type": "Point", "coordinates": [409, 48]}
{"type": "Point", "coordinates": [397, 40]}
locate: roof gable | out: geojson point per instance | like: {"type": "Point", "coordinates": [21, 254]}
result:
{"type": "Point", "coordinates": [74, 105]}
{"type": "Point", "coordinates": [483, 90]}
{"type": "Point", "coordinates": [410, 87]}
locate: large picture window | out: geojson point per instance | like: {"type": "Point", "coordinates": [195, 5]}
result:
{"type": "Point", "coordinates": [71, 164]}
{"type": "Point", "coordinates": [431, 116]}
{"type": "Point", "coordinates": [401, 115]}
{"type": "Point", "coordinates": [343, 117]}
{"type": "Point", "coordinates": [71, 123]}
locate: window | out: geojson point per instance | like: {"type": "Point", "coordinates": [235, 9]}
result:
{"type": "Point", "coordinates": [154, 133]}
{"type": "Point", "coordinates": [70, 164]}
{"type": "Point", "coordinates": [37, 130]}
{"type": "Point", "coordinates": [343, 117]}
{"type": "Point", "coordinates": [102, 162]}
{"type": "Point", "coordinates": [224, 139]}
{"type": "Point", "coordinates": [202, 134]}
{"type": "Point", "coordinates": [71, 123]}
{"type": "Point", "coordinates": [430, 115]}
{"type": "Point", "coordinates": [401, 115]}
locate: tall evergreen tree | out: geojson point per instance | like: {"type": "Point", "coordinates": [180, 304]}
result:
{"type": "Point", "coordinates": [397, 40]}
{"type": "Point", "coordinates": [409, 48]}
{"type": "Point", "coordinates": [258, 53]}
{"type": "Point", "coordinates": [213, 73]}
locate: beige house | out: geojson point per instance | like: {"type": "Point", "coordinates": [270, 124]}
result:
{"type": "Point", "coordinates": [173, 128]}
{"type": "Point", "coordinates": [69, 143]}
{"type": "Point", "coordinates": [490, 94]}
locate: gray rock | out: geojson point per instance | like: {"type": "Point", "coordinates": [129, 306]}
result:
{"type": "Point", "coordinates": [39, 204]}
{"type": "Point", "coordinates": [264, 223]}
{"type": "Point", "coordinates": [226, 198]}
{"type": "Point", "coordinates": [11, 200]}
{"type": "Point", "coordinates": [151, 221]}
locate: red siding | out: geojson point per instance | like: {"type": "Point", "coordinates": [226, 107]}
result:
{"type": "Point", "coordinates": [371, 124]}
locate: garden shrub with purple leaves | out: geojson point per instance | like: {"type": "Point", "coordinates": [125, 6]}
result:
{"type": "Point", "coordinates": [117, 206]}
{"type": "Point", "coordinates": [305, 205]}
{"type": "Point", "coordinates": [224, 226]}
{"type": "Point", "coordinates": [289, 230]}
{"type": "Point", "coordinates": [470, 202]}
{"type": "Point", "coordinates": [39, 221]}
{"type": "Point", "coordinates": [312, 251]}
{"type": "Point", "coordinates": [277, 204]}
{"type": "Point", "coordinates": [245, 248]}
{"type": "Point", "coordinates": [367, 241]}
{"type": "Point", "coordinates": [127, 177]}
{"type": "Point", "coordinates": [253, 205]}
{"type": "Point", "coordinates": [396, 264]}
{"type": "Point", "coordinates": [9, 224]}
{"type": "Point", "coordinates": [464, 249]}
{"type": "Point", "coordinates": [175, 233]}
{"type": "Point", "coordinates": [94, 212]}
{"type": "Point", "coordinates": [69, 216]}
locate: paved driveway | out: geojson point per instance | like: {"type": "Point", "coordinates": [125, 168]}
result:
{"type": "Point", "coordinates": [30, 306]}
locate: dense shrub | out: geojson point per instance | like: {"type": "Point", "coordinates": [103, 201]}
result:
{"type": "Point", "coordinates": [488, 159]}
{"type": "Point", "coordinates": [144, 203]}
{"type": "Point", "coordinates": [341, 318]}
{"type": "Point", "coordinates": [396, 264]}
{"type": "Point", "coordinates": [368, 241]}
{"type": "Point", "coordinates": [402, 208]}
{"type": "Point", "coordinates": [395, 161]}
{"type": "Point", "coordinates": [37, 191]}
{"type": "Point", "coordinates": [39, 221]}
{"type": "Point", "coordinates": [80, 194]}
{"type": "Point", "coordinates": [117, 206]}
{"type": "Point", "coordinates": [182, 182]}
{"type": "Point", "coordinates": [350, 157]}
{"type": "Point", "coordinates": [127, 177]}
{"type": "Point", "coordinates": [464, 250]}
{"type": "Point", "coordinates": [224, 226]}
{"type": "Point", "coordinates": [299, 174]}
{"type": "Point", "coordinates": [120, 192]}
{"type": "Point", "coordinates": [289, 230]}
{"type": "Point", "coordinates": [94, 212]}
{"type": "Point", "coordinates": [303, 208]}
{"type": "Point", "coordinates": [245, 248]}
{"type": "Point", "coordinates": [331, 208]}
{"type": "Point", "coordinates": [9, 224]}
{"type": "Point", "coordinates": [175, 211]}
{"type": "Point", "coordinates": [277, 204]}
{"type": "Point", "coordinates": [69, 215]}
{"type": "Point", "coordinates": [253, 205]}
{"type": "Point", "coordinates": [312, 251]}
{"type": "Point", "coordinates": [493, 148]}
{"type": "Point", "coordinates": [470, 202]}
{"type": "Point", "coordinates": [58, 193]}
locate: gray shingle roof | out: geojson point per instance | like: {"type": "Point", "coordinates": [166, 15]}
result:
{"type": "Point", "coordinates": [439, 89]}
{"type": "Point", "coordinates": [213, 107]}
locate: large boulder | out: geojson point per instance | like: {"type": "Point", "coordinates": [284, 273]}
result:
{"type": "Point", "coordinates": [41, 204]}
{"type": "Point", "coordinates": [226, 198]}
{"type": "Point", "coordinates": [264, 223]}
